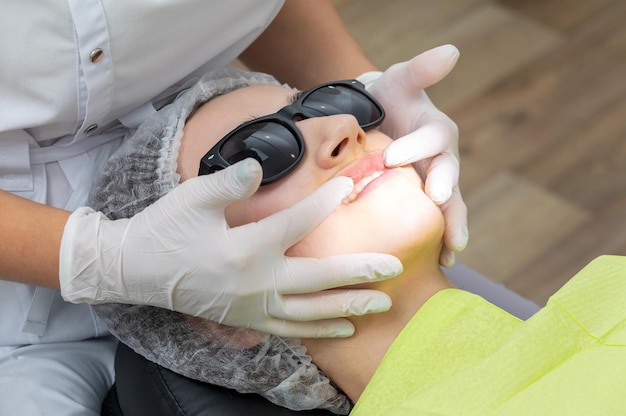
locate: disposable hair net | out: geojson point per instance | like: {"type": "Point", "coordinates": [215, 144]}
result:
{"type": "Point", "coordinates": [138, 174]}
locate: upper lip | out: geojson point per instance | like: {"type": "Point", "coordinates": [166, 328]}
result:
{"type": "Point", "coordinates": [364, 167]}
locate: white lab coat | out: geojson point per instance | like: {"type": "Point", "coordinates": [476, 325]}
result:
{"type": "Point", "coordinates": [75, 77]}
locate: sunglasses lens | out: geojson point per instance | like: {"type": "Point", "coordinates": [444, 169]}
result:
{"type": "Point", "coordinates": [338, 99]}
{"type": "Point", "coordinates": [271, 143]}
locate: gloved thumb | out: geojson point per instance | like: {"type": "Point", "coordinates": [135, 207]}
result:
{"type": "Point", "coordinates": [234, 183]}
{"type": "Point", "coordinates": [424, 70]}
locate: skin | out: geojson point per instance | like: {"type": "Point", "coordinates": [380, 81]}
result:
{"type": "Point", "coordinates": [391, 215]}
{"type": "Point", "coordinates": [316, 36]}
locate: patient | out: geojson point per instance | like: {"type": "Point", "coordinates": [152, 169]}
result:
{"type": "Point", "coordinates": [387, 212]}
{"type": "Point", "coordinates": [438, 349]}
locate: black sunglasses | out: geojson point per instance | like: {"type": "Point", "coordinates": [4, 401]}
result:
{"type": "Point", "coordinates": [276, 142]}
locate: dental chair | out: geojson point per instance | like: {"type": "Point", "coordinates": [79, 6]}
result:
{"type": "Point", "coordinates": [145, 388]}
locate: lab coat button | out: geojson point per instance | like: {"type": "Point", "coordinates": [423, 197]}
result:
{"type": "Point", "coordinates": [96, 55]}
{"type": "Point", "coordinates": [90, 128]}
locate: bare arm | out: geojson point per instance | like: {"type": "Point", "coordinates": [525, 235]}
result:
{"type": "Point", "coordinates": [307, 44]}
{"type": "Point", "coordinates": [31, 238]}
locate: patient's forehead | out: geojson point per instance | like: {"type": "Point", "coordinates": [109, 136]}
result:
{"type": "Point", "coordinates": [265, 98]}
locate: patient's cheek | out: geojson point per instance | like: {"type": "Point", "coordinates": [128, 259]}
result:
{"type": "Point", "coordinates": [233, 214]}
{"type": "Point", "coordinates": [241, 213]}
{"type": "Point", "coordinates": [255, 208]}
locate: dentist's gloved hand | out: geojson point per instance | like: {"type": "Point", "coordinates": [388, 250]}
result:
{"type": "Point", "coordinates": [180, 254]}
{"type": "Point", "coordinates": [424, 135]}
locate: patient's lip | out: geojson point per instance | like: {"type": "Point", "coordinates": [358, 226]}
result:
{"type": "Point", "coordinates": [364, 166]}
{"type": "Point", "coordinates": [364, 171]}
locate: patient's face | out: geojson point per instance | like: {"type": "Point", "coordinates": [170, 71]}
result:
{"type": "Point", "coordinates": [388, 211]}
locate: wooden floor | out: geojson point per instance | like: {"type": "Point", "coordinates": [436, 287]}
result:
{"type": "Point", "coordinates": [539, 95]}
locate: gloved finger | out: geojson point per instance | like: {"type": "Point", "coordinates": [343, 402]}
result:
{"type": "Point", "coordinates": [436, 136]}
{"type": "Point", "coordinates": [422, 71]}
{"type": "Point", "coordinates": [326, 328]}
{"type": "Point", "coordinates": [443, 176]}
{"type": "Point", "coordinates": [447, 257]}
{"type": "Point", "coordinates": [455, 234]}
{"type": "Point", "coordinates": [305, 275]}
{"type": "Point", "coordinates": [291, 224]}
{"type": "Point", "coordinates": [328, 304]}
{"type": "Point", "coordinates": [222, 188]}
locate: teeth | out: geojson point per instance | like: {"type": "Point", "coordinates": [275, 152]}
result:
{"type": "Point", "coordinates": [362, 184]}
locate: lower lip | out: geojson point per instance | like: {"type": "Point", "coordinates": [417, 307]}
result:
{"type": "Point", "coordinates": [386, 176]}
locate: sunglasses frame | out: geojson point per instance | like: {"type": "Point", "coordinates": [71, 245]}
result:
{"type": "Point", "coordinates": [212, 161]}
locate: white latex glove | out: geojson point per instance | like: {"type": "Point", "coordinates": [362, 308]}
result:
{"type": "Point", "coordinates": [180, 254]}
{"type": "Point", "coordinates": [424, 135]}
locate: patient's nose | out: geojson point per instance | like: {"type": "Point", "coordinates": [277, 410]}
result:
{"type": "Point", "coordinates": [333, 139]}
